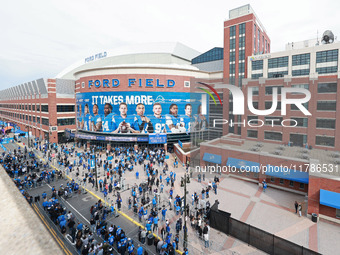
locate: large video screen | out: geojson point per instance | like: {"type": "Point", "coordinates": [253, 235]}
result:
{"type": "Point", "coordinates": [142, 112]}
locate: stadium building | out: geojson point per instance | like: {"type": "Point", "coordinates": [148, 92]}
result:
{"type": "Point", "coordinates": [147, 94]}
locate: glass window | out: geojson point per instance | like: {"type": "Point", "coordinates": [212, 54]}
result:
{"type": "Point", "coordinates": [293, 107]}
{"type": "Point", "coordinates": [268, 105]}
{"type": "Point", "coordinates": [242, 28]}
{"type": "Point", "coordinates": [232, 31]}
{"type": "Point", "coordinates": [278, 62]}
{"type": "Point", "coordinates": [211, 55]}
{"type": "Point", "coordinates": [44, 108]}
{"type": "Point", "coordinates": [302, 59]}
{"type": "Point", "coordinates": [38, 120]}
{"type": "Point", "coordinates": [302, 185]}
{"type": "Point", "coordinates": [330, 69]}
{"type": "Point", "coordinates": [241, 55]}
{"type": "Point", "coordinates": [300, 72]}
{"type": "Point", "coordinates": [232, 43]}
{"type": "Point", "coordinates": [65, 122]}
{"type": "Point", "coordinates": [326, 105]}
{"type": "Point", "coordinates": [257, 65]}
{"type": "Point", "coordinates": [325, 140]}
{"type": "Point", "coordinates": [277, 74]}
{"type": "Point", "coordinates": [300, 86]}
{"type": "Point", "coordinates": [272, 179]}
{"type": "Point", "coordinates": [272, 121]}
{"type": "Point", "coordinates": [276, 136]}
{"type": "Point", "coordinates": [291, 183]}
{"type": "Point", "coordinates": [45, 121]}
{"type": "Point", "coordinates": [255, 91]}
{"type": "Point", "coordinates": [65, 108]}
{"type": "Point", "coordinates": [33, 107]}
{"type": "Point", "coordinates": [325, 123]}
{"type": "Point", "coordinates": [282, 181]}
{"type": "Point", "coordinates": [232, 68]}
{"type": "Point", "coordinates": [301, 122]}
{"type": "Point", "coordinates": [337, 214]}
{"type": "Point", "coordinates": [29, 107]}
{"type": "Point", "coordinates": [269, 90]}
{"type": "Point", "coordinates": [256, 76]}
{"type": "Point", "coordinates": [252, 133]}
{"type": "Point", "coordinates": [38, 107]}
{"type": "Point", "coordinates": [327, 56]}
{"type": "Point", "coordinates": [330, 87]}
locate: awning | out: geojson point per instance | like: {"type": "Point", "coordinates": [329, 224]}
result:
{"type": "Point", "coordinates": [288, 174]}
{"type": "Point", "coordinates": [245, 165]}
{"type": "Point", "coordinates": [329, 198]}
{"type": "Point", "coordinates": [9, 127]}
{"type": "Point", "coordinates": [20, 132]}
{"type": "Point", "coordinates": [212, 158]}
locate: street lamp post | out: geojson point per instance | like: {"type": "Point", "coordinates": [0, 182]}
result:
{"type": "Point", "coordinates": [28, 131]}
{"type": "Point", "coordinates": [185, 242]}
{"type": "Point", "coordinates": [95, 167]}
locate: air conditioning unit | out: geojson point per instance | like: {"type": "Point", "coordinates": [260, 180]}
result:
{"type": "Point", "coordinates": [54, 128]}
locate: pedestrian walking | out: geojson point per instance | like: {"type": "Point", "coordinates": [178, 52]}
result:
{"type": "Point", "coordinates": [300, 209]}
{"type": "Point", "coordinates": [296, 207]}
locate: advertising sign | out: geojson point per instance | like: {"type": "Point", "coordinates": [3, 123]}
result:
{"type": "Point", "coordinates": [157, 138]}
{"type": "Point", "coordinates": [141, 112]}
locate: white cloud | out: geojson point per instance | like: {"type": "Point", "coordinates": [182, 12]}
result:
{"type": "Point", "coordinates": [41, 38]}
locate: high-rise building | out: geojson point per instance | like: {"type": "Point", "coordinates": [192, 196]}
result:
{"type": "Point", "coordinates": [244, 36]}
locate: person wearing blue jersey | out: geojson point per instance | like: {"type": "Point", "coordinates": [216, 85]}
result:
{"type": "Point", "coordinates": [108, 120]}
{"type": "Point", "coordinates": [158, 121]}
{"type": "Point", "coordinates": [80, 118]}
{"type": "Point", "coordinates": [87, 120]}
{"type": "Point", "coordinates": [187, 118]}
{"type": "Point", "coordinates": [123, 121]}
{"type": "Point", "coordinates": [173, 121]}
{"type": "Point", "coordinates": [96, 124]}
{"type": "Point", "coordinates": [141, 123]}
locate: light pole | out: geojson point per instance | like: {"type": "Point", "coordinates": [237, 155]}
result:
{"type": "Point", "coordinates": [185, 242]}
{"type": "Point", "coordinates": [28, 131]}
{"type": "Point", "coordinates": [95, 167]}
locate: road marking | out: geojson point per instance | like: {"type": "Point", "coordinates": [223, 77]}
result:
{"type": "Point", "coordinates": [72, 207]}
{"type": "Point", "coordinates": [86, 199]}
{"type": "Point", "coordinates": [120, 212]}
{"type": "Point", "coordinates": [61, 244]}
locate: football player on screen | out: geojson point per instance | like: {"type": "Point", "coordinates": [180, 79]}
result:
{"type": "Point", "coordinates": [108, 120]}
{"type": "Point", "coordinates": [158, 121]}
{"type": "Point", "coordinates": [187, 119]}
{"type": "Point", "coordinates": [96, 119]}
{"type": "Point", "coordinates": [87, 120]}
{"type": "Point", "coordinates": [173, 121]}
{"type": "Point", "coordinates": [80, 118]}
{"type": "Point", "coordinates": [124, 121]}
{"type": "Point", "coordinates": [141, 123]}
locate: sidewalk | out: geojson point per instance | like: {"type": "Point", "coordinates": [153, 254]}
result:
{"type": "Point", "coordinates": [272, 211]}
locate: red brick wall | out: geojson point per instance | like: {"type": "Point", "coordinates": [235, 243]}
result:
{"type": "Point", "coordinates": [255, 157]}
{"type": "Point", "coordinates": [315, 184]}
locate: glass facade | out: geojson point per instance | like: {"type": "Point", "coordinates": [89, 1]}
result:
{"type": "Point", "coordinates": [257, 65]}
{"type": "Point", "coordinates": [302, 59]}
{"type": "Point", "coordinates": [327, 56]}
{"type": "Point", "coordinates": [278, 62]}
{"type": "Point", "coordinates": [211, 55]}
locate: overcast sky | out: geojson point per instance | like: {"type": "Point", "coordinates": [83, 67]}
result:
{"type": "Point", "coordinates": [40, 38]}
